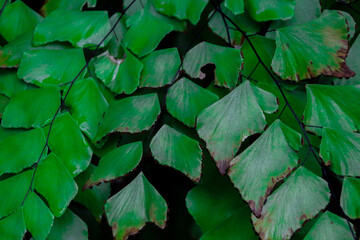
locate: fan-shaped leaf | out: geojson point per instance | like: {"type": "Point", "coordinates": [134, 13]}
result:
{"type": "Point", "coordinates": [160, 68]}
{"type": "Point", "coordinates": [172, 148]}
{"type": "Point", "coordinates": [186, 9]}
{"type": "Point", "coordinates": [227, 62]}
{"type": "Point", "coordinates": [300, 198]}
{"type": "Point", "coordinates": [119, 75]}
{"type": "Point", "coordinates": [236, 6]}
{"type": "Point", "coordinates": [185, 100]}
{"type": "Point", "coordinates": [267, 161]}
{"type": "Point", "coordinates": [13, 226]}
{"type": "Point", "coordinates": [90, 28]}
{"type": "Point", "coordinates": [52, 5]}
{"type": "Point", "coordinates": [117, 163]}
{"type": "Point", "coordinates": [130, 209]}
{"type": "Point", "coordinates": [328, 106]}
{"type": "Point", "coordinates": [131, 114]}
{"type": "Point", "coordinates": [270, 9]}
{"type": "Point", "coordinates": [31, 108]}
{"type": "Point", "coordinates": [319, 52]}
{"type": "Point", "coordinates": [21, 150]}
{"type": "Point", "coordinates": [54, 182]}
{"type": "Point", "coordinates": [10, 83]}
{"type": "Point", "coordinates": [226, 123]}
{"type": "Point", "coordinates": [350, 195]}
{"type": "Point", "coordinates": [44, 67]}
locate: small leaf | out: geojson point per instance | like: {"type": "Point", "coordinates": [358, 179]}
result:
{"type": "Point", "coordinates": [300, 198]}
{"type": "Point", "coordinates": [270, 10]}
{"type": "Point", "coordinates": [130, 209]}
{"type": "Point", "coordinates": [186, 9]}
{"type": "Point", "coordinates": [350, 195]}
{"type": "Point", "coordinates": [90, 28]}
{"type": "Point", "coordinates": [228, 62]}
{"type": "Point", "coordinates": [185, 100]}
{"type": "Point", "coordinates": [54, 182]}
{"type": "Point", "coordinates": [225, 124]}
{"type": "Point", "coordinates": [328, 106]}
{"type": "Point", "coordinates": [52, 5]}
{"type": "Point", "coordinates": [31, 108]}
{"type": "Point", "coordinates": [38, 217]}
{"type": "Point", "coordinates": [329, 227]}
{"type": "Point", "coordinates": [21, 150]}
{"type": "Point", "coordinates": [119, 75]}
{"type": "Point", "coordinates": [117, 163]}
{"type": "Point", "coordinates": [13, 226]}
{"type": "Point", "coordinates": [46, 67]}
{"type": "Point", "coordinates": [172, 148]}
{"type": "Point", "coordinates": [236, 6]}
{"type": "Point", "coordinates": [319, 52]}
{"type": "Point", "coordinates": [17, 19]}
{"type": "Point", "coordinates": [160, 68]}
{"type": "Point", "coordinates": [131, 115]}
{"type": "Point", "coordinates": [267, 161]}
{"type": "Point", "coordinates": [10, 83]}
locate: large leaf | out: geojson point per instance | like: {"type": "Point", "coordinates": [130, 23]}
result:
{"type": "Point", "coordinates": [13, 226]}
{"type": "Point", "coordinates": [329, 227]}
{"type": "Point", "coordinates": [31, 108]}
{"type": "Point", "coordinates": [87, 105]}
{"type": "Point", "coordinates": [319, 52]}
{"type": "Point", "coordinates": [52, 5]}
{"type": "Point", "coordinates": [90, 28]}
{"type": "Point", "coordinates": [185, 100]}
{"type": "Point", "coordinates": [131, 114]}
{"type": "Point", "coordinates": [227, 63]}
{"type": "Point", "coordinates": [226, 123]}
{"type": "Point", "coordinates": [172, 148]}
{"type": "Point", "coordinates": [267, 161]}
{"type": "Point", "coordinates": [328, 106]}
{"type": "Point", "coordinates": [350, 195]}
{"type": "Point", "coordinates": [340, 150]}
{"type": "Point", "coordinates": [270, 9]}
{"type": "Point", "coordinates": [300, 198]}
{"type": "Point", "coordinates": [21, 150]}
{"type": "Point", "coordinates": [10, 83]}
{"type": "Point", "coordinates": [186, 9]}
{"type": "Point", "coordinates": [54, 182]}
{"type": "Point", "coordinates": [117, 163]}
{"type": "Point", "coordinates": [68, 143]}
{"type": "Point", "coordinates": [44, 67]}
{"type": "Point", "coordinates": [130, 209]}
{"type": "Point", "coordinates": [160, 68]}
{"type": "Point", "coordinates": [119, 75]}
{"type": "Point", "coordinates": [17, 19]}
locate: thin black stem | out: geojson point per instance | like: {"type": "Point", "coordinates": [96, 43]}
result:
{"type": "Point", "coordinates": [306, 157]}
{"type": "Point", "coordinates": [313, 126]}
{"type": "Point", "coordinates": [282, 111]}
{"type": "Point", "coordinates": [253, 70]}
{"type": "Point", "coordinates": [225, 23]}
{"type": "Point", "coordinates": [3, 7]}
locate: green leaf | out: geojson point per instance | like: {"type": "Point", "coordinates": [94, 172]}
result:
{"type": "Point", "coordinates": [350, 194]}
{"type": "Point", "coordinates": [54, 182]}
{"type": "Point", "coordinates": [21, 150]}
{"type": "Point", "coordinates": [172, 148]}
{"type": "Point", "coordinates": [4, 101]}
{"type": "Point", "coordinates": [236, 6]}
{"type": "Point", "coordinates": [319, 52]}
{"type": "Point", "coordinates": [115, 47]}
{"type": "Point", "coordinates": [10, 83]}
{"type": "Point", "coordinates": [13, 191]}
{"type": "Point", "coordinates": [38, 217]}
{"type": "Point", "coordinates": [160, 68]}
{"type": "Point", "coordinates": [90, 28]}
{"type": "Point", "coordinates": [68, 143]}
{"type": "Point", "coordinates": [31, 108]}
{"type": "Point", "coordinates": [13, 226]}
{"type": "Point", "coordinates": [328, 106]}
{"type": "Point", "coordinates": [270, 10]}
{"type": "Point", "coordinates": [186, 9]}
{"type": "Point", "coordinates": [300, 198]}
{"type": "Point", "coordinates": [185, 100]}
{"type": "Point", "coordinates": [329, 227]}
{"type": "Point", "coordinates": [52, 5]}
{"type": "Point", "coordinates": [130, 115]}
{"type": "Point", "coordinates": [87, 105]}
{"type": "Point", "coordinates": [270, 159]}
{"type": "Point", "coordinates": [113, 165]}
{"type": "Point", "coordinates": [227, 61]}
{"type": "Point", "coordinates": [46, 67]}
{"type": "Point", "coordinates": [68, 227]}
{"type": "Point", "coordinates": [350, 22]}
{"type": "Point", "coordinates": [137, 203]}
{"type": "Point", "coordinates": [340, 150]}
{"type": "Point", "coordinates": [119, 75]}
{"type": "Point", "coordinates": [225, 124]}
{"type": "Point", "coordinates": [17, 19]}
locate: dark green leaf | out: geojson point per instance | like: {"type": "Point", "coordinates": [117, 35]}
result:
{"type": "Point", "coordinates": [270, 9]}
{"type": "Point", "coordinates": [236, 6]}
{"type": "Point", "coordinates": [52, 5]}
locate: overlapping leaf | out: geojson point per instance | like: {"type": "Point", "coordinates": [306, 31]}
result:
{"type": "Point", "coordinates": [270, 9]}
{"type": "Point", "coordinates": [236, 6]}
{"type": "Point", "coordinates": [350, 194]}
{"type": "Point", "coordinates": [10, 83]}
{"type": "Point", "coordinates": [52, 5]}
